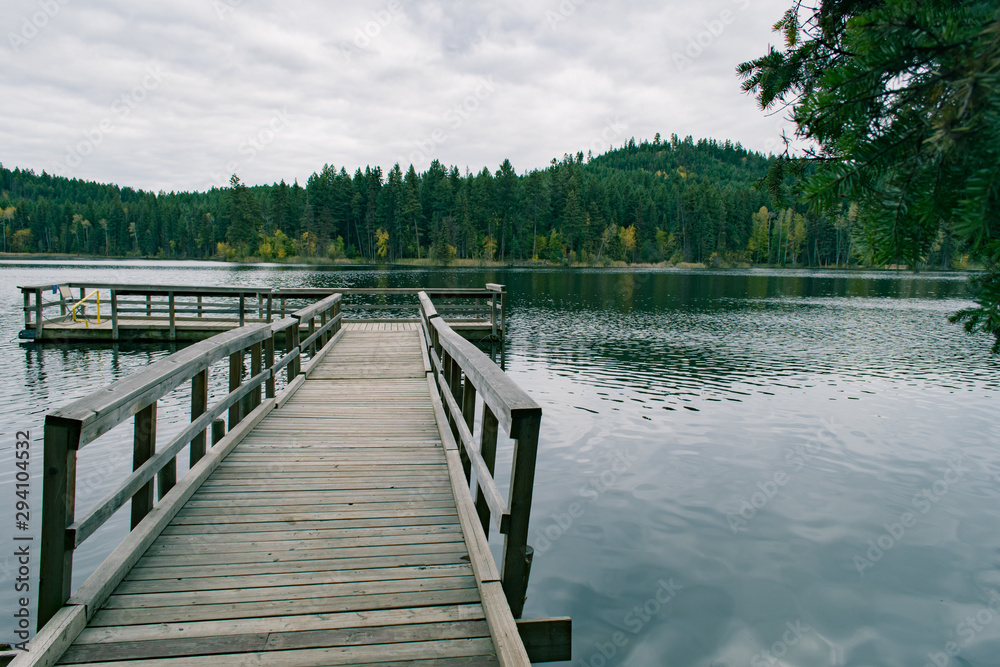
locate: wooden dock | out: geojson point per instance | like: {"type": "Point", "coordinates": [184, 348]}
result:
{"type": "Point", "coordinates": [334, 524]}
{"type": "Point", "coordinates": [101, 312]}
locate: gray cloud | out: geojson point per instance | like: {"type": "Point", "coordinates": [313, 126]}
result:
{"type": "Point", "coordinates": [469, 82]}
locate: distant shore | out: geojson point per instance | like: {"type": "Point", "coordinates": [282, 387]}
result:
{"type": "Point", "coordinates": [461, 263]}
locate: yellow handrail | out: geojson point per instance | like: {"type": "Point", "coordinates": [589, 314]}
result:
{"type": "Point", "coordinates": [72, 309]}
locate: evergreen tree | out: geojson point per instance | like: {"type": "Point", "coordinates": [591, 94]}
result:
{"type": "Point", "coordinates": [902, 100]}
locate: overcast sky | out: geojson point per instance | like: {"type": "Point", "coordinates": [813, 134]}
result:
{"type": "Point", "coordinates": [179, 95]}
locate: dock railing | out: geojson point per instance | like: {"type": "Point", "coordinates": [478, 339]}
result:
{"type": "Point", "coordinates": [271, 348]}
{"type": "Point", "coordinates": [463, 374]}
{"type": "Point", "coordinates": [179, 305]}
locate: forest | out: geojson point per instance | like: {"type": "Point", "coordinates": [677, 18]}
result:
{"type": "Point", "coordinates": [675, 200]}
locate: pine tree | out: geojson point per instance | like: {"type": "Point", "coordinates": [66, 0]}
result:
{"type": "Point", "coordinates": [901, 99]}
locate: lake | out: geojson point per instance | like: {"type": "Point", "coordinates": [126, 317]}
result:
{"type": "Point", "coordinates": [735, 468]}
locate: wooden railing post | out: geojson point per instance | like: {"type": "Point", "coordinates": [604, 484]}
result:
{"type": "Point", "coordinates": [199, 403]}
{"type": "Point", "coordinates": [451, 370]}
{"type": "Point", "coordinates": [114, 314]}
{"type": "Point", "coordinates": [149, 305]}
{"type": "Point", "coordinates": [55, 575]}
{"type": "Point", "coordinates": [256, 366]}
{"type": "Point", "coordinates": [503, 312]}
{"type": "Point", "coordinates": [488, 449]}
{"type": "Point", "coordinates": [173, 316]}
{"type": "Point", "coordinates": [270, 306]}
{"type": "Point", "coordinates": [38, 314]}
{"type": "Point", "coordinates": [292, 342]}
{"type": "Point", "coordinates": [269, 388]}
{"type": "Point", "coordinates": [454, 377]}
{"type": "Point", "coordinates": [309, 332]}
{"type": "Point", "coordinates": [514, 572]}
{"type": "Point", "coordinates": [235, 373]}
{"type": "Point", "coordinates": [218, 430]}
{"type": "Point", "coordinates": [322, 322]}
{"type": "Point", "coordinates": [143, 446]}
{"type": "Point", "coordinates": [493, 314]}
{"type": "Point", "coordinates": [242, 306]}
{"type": "Point", "coordinates": [199, 307]}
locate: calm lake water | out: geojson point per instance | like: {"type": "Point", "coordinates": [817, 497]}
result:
{"type": "Point", "coordinates": [736, 468]}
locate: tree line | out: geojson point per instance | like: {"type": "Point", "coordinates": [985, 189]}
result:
{"type": "Point", "coordinates": [674, 200]}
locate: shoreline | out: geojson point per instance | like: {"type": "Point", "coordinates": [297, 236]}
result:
{"type": "Point", "coordinates": [471, 263]}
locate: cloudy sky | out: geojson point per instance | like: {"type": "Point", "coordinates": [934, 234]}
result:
{"type": "Point", "coordinates": [179, 95]}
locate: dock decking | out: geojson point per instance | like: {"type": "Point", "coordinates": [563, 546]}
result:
{"type": "Point", "coordinates": [319, 540]}
{"type": "Point", "coordinates": [333, 524]}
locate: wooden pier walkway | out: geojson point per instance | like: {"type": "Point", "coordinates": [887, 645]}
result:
{"type": "Point", "coordinates": [333, 525]}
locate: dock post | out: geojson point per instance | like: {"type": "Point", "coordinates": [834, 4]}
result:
{"type": "Point", "coordinates": [38, 314]}
{"type": "Point", "coordinates": [514, 572]}
{"type": "Point", "coordinates": [269, 390]}
{"type": "Point", "coordinates": [493, 314]}
{"type": "Point", "coordinates": [55, 575]}
{"type": "Point", "coordinates": [243, 301]}
{"type": "Point", "coordinates": [199, 403]}
{"type": "Point", "coordinates": [270, 306]}
{"type": "Point", "coordinates": [218, 430]}
{"type": "Point", "coordinates": [290, 345]}
{"type": "Point", "coordinates": [256, 360]}
{"type": "Point", "coordinates": [503, 311]}
{"type": "Point", "coordinates": [199, 307]}
{"type": "Point", "coordinates": [173, 316]}
{"type": "Point", "coordinates": [235, 373]}
{"type": "Point", "coordinates": [488, 450]}
{"type": "Point", "coordinates": [114, 314]}
{"type": "Point", "coordinates": [143, 446]}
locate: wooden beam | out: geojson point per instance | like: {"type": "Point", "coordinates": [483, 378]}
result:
{"type": "Point", "coordinates": [514, 571]}
{"type": "Point", "coordinates": [235, 376]}
{"type": "Point", "coordinates": [547, 639]}
{"type": "Point", "coordinates": [143, 445]}
{"type": "Point", "coordinates": [38, 314]}
{"type": "Point", "coordinates": [173, 316]}
{"type": "Point", "coordinates": [269, 357]}
{"type": "Point", "coordinates": [58, 507]}
{"type": "Point", "coordinates": [51, 642]}
{"type": "Point", "coordinates": [488, 450]}
{"type": "Point", "coordinates": [199, 403]}
{"type": "Point", "coordinates": [114, 314]}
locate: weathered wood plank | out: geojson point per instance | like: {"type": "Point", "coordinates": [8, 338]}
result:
{"type": "Point", "coordinates": [328, 605]}
{"type": "Point", "coordinates": [321, 657]}
{"type": "Point", "coordinates": [304, 622]}
{"type": "Point", "coordinates": [455, 557]}
{"type": "Point", "coordinates": [312, 558]}
{"type": "Point", "coordinates": [276, 641]}
{"type": "Point", "coordinates": [217, 579]}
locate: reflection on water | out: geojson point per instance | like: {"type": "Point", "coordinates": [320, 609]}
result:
{"type": "Point", "coordinates": [736, 468]}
